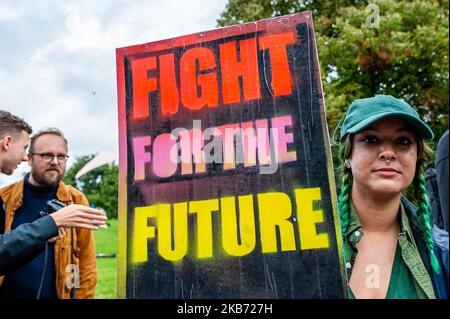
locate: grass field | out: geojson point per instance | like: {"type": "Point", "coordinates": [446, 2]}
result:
{"type": "Point", "coordinates": [106, 243]}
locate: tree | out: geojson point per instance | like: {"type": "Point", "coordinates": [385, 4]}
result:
{"type": "Point", "coordinates": [406, 56]}
{"type": "Point", "coordinates": [99, 185]}
{"type": "Point", "coordinates": [240, 11]}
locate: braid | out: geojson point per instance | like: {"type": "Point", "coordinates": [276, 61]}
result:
{"type": "Point", "coordinates": [344, 201]}
{"type": "Point", "coordinates": [344, 204]}
{"type": "Point", "coordinates": [343, 151]}
{"type": "Point", "coordinates": [423, 217]}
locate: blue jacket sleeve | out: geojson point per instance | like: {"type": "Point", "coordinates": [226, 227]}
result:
{"type": "Point", "coordinates": [442, 167]}
{"type": "Point", "coordinates": [17, 246]}
{"type": "Point", "coordinates": [440, 238]}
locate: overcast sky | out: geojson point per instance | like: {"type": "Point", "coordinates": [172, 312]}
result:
{"type": "Point", "coordinates": [57, 60]}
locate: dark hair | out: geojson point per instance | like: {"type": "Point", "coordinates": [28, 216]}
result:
{"type": "Point", "coordinates": [422, 214]}
{"type": "Point", "coordinates": [50, 130]}
{"type": "Point", "coordinates": [11, 124]}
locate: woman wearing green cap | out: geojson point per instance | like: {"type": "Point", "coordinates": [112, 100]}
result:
{"type": "Point", "coordinates": [388, 245]}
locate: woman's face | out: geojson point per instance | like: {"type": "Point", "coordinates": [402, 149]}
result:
{"type": "Point", "coordinates": [383, 158]}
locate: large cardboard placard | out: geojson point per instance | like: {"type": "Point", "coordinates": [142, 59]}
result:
{"type": "Point", "coordinates": [226, 181]}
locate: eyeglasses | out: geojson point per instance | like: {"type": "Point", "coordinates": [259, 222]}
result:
{"type": "Point", "coordinates": [48, 157]}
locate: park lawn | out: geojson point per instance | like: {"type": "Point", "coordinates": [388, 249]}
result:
{"type": "Point", "coordinates": [106, 243]}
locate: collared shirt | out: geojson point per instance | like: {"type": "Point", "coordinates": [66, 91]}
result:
{"type": "Point", "coordinates": [408, 249]}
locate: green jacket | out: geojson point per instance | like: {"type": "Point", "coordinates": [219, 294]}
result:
{"type": "Point", "coordinates": [409, 251]}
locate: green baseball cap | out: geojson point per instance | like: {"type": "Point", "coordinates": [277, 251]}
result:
{"type": "Point", "coordinates": [364, 112]}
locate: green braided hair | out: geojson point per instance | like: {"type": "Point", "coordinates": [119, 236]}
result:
{"type": "Point", "coordinates": [346, 178]}
{"type": "Point", "coordinates": [423, 211]}
{"type": "Point", "coordinates": [344, 202]}
{"type": "Point", "coordinates": [344, 150]}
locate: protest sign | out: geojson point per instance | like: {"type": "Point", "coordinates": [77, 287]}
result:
{"type": "Point", "coordinates": [226, 180]}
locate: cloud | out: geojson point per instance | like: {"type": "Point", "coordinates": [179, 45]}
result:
{"type": "Point", "coordinates": [10, 13]}
{"type": "Point", "coordinates": [59, 66]}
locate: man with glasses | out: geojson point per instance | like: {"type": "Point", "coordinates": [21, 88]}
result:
{"type": "Point", "coordinates": [68, 268]}
{"type": "Point", "coordinates": [28, 240]}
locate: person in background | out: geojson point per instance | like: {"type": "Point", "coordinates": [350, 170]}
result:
{"type": "Point", "coordinates": [437, 187]}
{"type": "Point", "coordinates": [441, 165]}
{"type": "Point", "coordinates": [27, 240]}
{"type": "Point", "coordinates": [67, 269]}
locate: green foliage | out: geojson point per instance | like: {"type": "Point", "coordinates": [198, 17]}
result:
{"type": "Point", "coordinates": [239, 11]}
{"type": "Point", "coordinates": [99, 185]}
{"type": "Point", "coordinates": [407, 56]}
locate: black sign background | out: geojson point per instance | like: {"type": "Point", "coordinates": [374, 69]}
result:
{"type": "Point", "coordinates": [296, 274]}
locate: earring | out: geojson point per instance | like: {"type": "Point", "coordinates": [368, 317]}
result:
{"type": "Point", "coordinates": [347, 164]}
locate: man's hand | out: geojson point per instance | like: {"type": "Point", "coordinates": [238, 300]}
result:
{"type": "Point", "coordinates": [78, 216]}
{"type": "Point", "coordinates": [61, 233]}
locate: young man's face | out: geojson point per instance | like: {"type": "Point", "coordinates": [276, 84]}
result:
{"type": "Point", "coordinates": [13, 148]}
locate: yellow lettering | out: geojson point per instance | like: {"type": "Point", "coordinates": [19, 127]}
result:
{"type": "Point", "coordinates": [308, 218]}
{"type": "Point", "coordinates": [204, 208]}
{"type": "Point", "coordinates": [179, 233]}
{"type": "Point", "coordinates": [238, 226]}
{"type": "Point", "coordinates": [142, 232]}
{"type": "Point", "coordinates": [274, 210]}
{"type": "Point", "coordinates": [246, 225]}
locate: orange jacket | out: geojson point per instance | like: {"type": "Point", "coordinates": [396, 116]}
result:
{"type": "Point", "coordinates": [84, 249]}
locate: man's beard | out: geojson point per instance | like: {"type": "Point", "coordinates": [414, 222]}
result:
{"type": "Point", "coordinates": [44, 180]}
